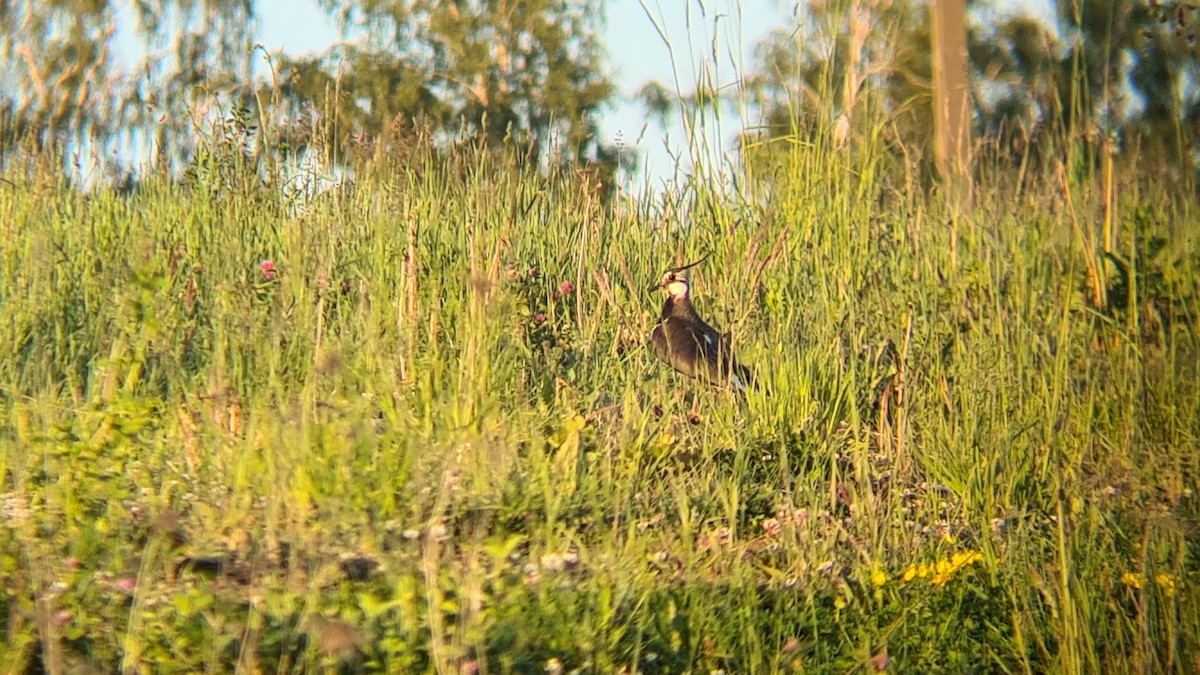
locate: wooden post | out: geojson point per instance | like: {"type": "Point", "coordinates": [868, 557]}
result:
{"type": "Point", "coordinates": [951, 99]}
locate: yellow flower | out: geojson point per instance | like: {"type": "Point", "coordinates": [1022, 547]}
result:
{"type": "Point", "coordinates": [1132, 580]}
{"type": "Point", "coordinates": [964, 558]}
{"type": "Point", "coordinates": [1166, 582]}
{"type": "Point", "coordinates": [878, 578]}
{"type": "Point", "coordinates": [839, 602]}
{"type": "Point", "coordinates": [941, 571]}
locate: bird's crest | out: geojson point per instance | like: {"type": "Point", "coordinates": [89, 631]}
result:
{"type": "Point", "coordinates": [683, 268]}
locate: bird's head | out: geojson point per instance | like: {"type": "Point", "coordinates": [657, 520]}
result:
{"type": "Point", "coordinates": [675, 281]}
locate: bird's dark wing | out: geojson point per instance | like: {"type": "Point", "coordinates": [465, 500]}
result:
{"type": "Point", "coordinates": [696, 350]}
{"type": "Point", "coordinates": [722, 366]}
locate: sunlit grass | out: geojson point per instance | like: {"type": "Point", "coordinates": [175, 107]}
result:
{"type": "Point", "coordinates": [406, 445]}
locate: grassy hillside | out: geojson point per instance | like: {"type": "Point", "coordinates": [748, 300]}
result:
{"type": "Point", "coordinates": [415, 426]}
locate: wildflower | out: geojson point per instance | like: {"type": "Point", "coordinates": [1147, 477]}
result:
{"type": "Point", "coordinates": [945, 568]}
{"type": "Point", "coordinates": [533, 272]}
{"type": "Point", "coordinates": [566, 288]}
{"type": "Point", "coordinates": [539, 318]}
{"type": "Point", "coordinates": [1132, 580]}
{"type": "Point", "coordinates": [964, 558]}
{"type": "Point", "coordinates": [267, 267]}
{"type": "Point", "coordinates": [941, 571]}
{"type": "Point", "coordinates": [125, 584]}
{"type": "Point", "coordinates": [878, 578]}
{"type": "Point", "coordinates": [1166, 582]}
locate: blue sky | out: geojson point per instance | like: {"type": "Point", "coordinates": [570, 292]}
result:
{"type": "Point", "coordinates": [637, 53]}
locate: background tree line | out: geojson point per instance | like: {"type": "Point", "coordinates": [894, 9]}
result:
{"type": "Point", "coordinates": [1119, 75]}
{"type": "Point", "coordinates": [1116, 76]}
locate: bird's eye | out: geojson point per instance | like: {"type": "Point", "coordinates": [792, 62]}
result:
{"type": "Point", "coordinates": [670, 277]}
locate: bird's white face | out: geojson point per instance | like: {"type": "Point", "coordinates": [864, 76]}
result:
{"type": "Point", "coordinates": [676, 284]}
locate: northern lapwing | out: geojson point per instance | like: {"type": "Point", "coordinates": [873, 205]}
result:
{"type": "Point", "coordinates": [684, 341]}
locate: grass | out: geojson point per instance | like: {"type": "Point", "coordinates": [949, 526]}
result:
{"type": "Point", "coordinates": [405, 449]}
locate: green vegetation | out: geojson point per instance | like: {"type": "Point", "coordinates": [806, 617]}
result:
{"type": "Point", "coordinates": [401, 446]}
{"type": "Point", "coordinates": [411, 424]}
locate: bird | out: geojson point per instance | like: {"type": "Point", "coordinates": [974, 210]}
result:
{"type": "Point", "coordinates": [684, 341]}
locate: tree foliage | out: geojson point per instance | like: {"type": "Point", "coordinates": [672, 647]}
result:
{"type": "Point", "coordinates": [525, 70]}
{"type": "Point", "coordinates": [530, 72]}
{"type": "Point", "coordinates": [56, 60]}
{"type": "Point", "coordinates": [1112, 72]}
{"type": "Point", "coordinates": [845, 59]}
{"type": "Point", "coordinates": [66, 83]}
